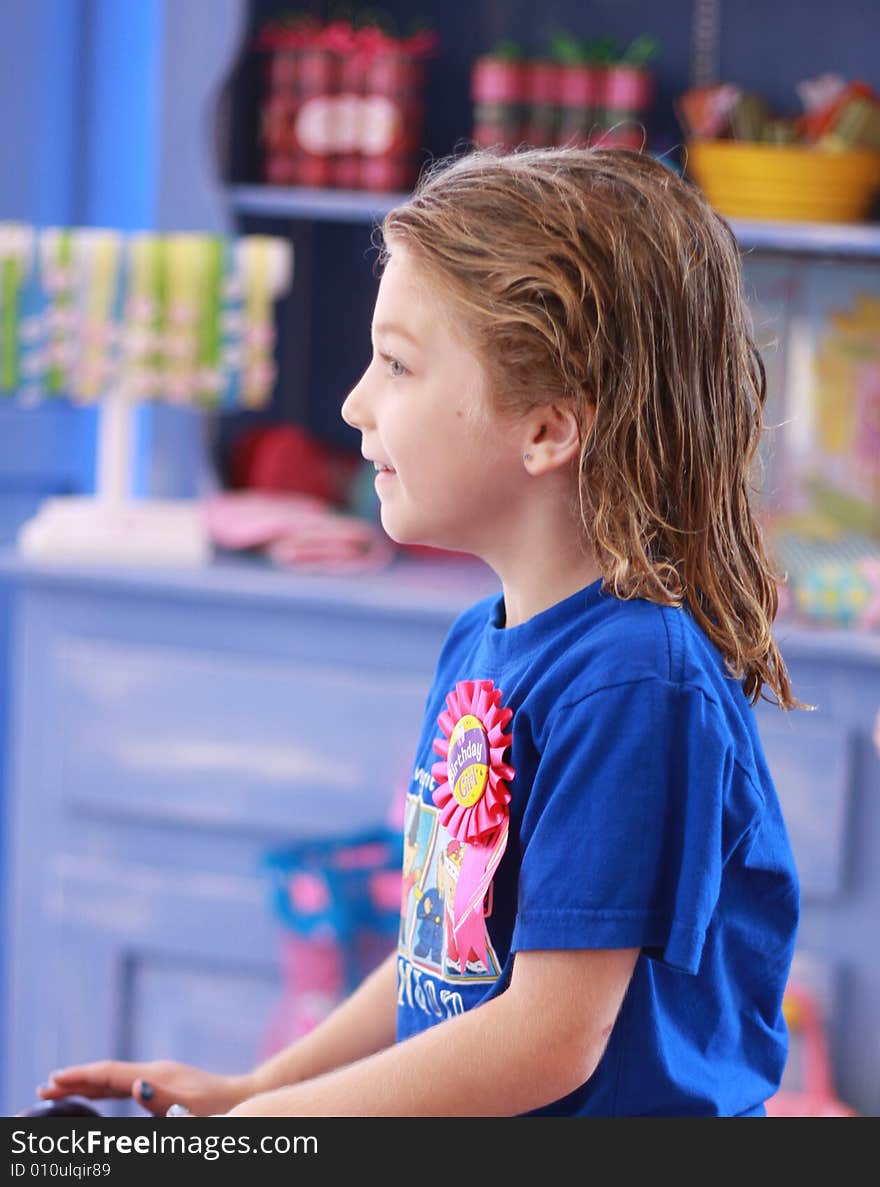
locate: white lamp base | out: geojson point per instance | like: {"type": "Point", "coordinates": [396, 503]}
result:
{"type": "Point", "coordinates": [149, 532]}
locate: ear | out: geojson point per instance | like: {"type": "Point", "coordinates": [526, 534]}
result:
{"type": "Point", "coordinates": [554, 435]}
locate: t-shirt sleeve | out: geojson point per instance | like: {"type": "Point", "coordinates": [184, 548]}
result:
{"type": "Point", "coordinates": [624, 833]}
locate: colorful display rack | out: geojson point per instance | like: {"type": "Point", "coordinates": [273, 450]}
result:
{"type": "Point", "coordinates": [97, 317]}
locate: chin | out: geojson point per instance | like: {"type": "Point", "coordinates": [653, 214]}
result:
{"type": "Point", "coordinates": [395, 525]}
{"type": "Point", "coordinates": [408, 535]}
{"type": "Point", "coordinates": [391, 531]}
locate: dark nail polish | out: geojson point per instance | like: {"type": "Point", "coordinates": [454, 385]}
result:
{"type": "Point", "coordinates": [147, 1092]}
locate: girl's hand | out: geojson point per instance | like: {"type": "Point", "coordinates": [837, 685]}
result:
{"type": "Point", "coordinates": [156, 1085]}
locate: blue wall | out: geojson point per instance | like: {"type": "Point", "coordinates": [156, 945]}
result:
{"type": "Point", "coordinates": [121, 109]}
{"type": "Point", "coordinates": [88, 129]}
{"type": "Point", "coordinates": [46, 450]}
{"type": "Point", "coordinates": [40, 88]}
{"type": "Point", "coordinates": [107, 124]}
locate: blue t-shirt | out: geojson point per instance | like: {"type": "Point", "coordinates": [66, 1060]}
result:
{"type": "Point", "coordinates": [641, 815]}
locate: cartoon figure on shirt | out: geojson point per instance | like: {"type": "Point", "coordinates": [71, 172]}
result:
{"type": "Point", "coordinates": [447, 875]}
{"type": "Point", "coordinates": [429, 930]}
{"type": "Point", "coordinates": [412, 872]}
{"type": "Point", "coordinates": [435, 943]}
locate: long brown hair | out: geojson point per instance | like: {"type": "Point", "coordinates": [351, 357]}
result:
{"type": "Point", "coordinates": [602, 278]}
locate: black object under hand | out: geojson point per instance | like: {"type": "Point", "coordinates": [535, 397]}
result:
{"type": "Point", "coordinates": [65, 1106]}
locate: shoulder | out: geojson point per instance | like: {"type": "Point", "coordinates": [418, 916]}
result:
{"type": "Point", "coordinates": [645, 696]}
{"type": "Point", "coordinates": [642, 667]}
{"type": "Point", "coordinates": [631, 641]}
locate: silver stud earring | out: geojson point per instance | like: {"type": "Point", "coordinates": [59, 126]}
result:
{"type": "Point", "coordinates": [527, 457]}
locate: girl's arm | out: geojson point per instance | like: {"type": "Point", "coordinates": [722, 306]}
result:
{"type": "Point", "coordinates": [534, 1043]}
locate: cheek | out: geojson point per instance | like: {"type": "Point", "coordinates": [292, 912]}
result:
{"type": "Point", "coordinates": [418, 448]}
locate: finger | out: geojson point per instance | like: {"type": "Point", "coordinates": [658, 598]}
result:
{"type": "Point", "coordinates": [154, 1098]}
{"type": "Point", "coordinates": [54, 1090]}
{"type": "Point", "coordinates": [105, 1079]}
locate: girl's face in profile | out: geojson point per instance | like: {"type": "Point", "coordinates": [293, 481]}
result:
{"type": "Point", "coordinates": [423, 410]}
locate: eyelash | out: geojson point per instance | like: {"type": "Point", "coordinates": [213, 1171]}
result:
{"type": "Point", "coordinates": [391, 361]}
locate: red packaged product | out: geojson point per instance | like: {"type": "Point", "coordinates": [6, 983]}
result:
{"type": "Point", "coordinates": [816, 123]}
{"type": "Point", "coordinates": [283, 45]}
{"type": "Point", "coordinates": [627, 93]}
{"type": "Point", "coordinates": [627, 88]}
{"type": "Point", "coordinates": [625, 131]}
{"type": "Point", "coordinates": [281, 70]}
{"type": "Point", "coordinates": [541, 86]}
{"type": "Point", "coordinates": [275, 137]}
{"type": "Point", "coordinates": [393, 111]}
{"type": "Point", "coordinates": [580, 99]}
{"type": "Point", "coordinates": [314, 131]}
{"type": "Point", "coordinates": [704, 112]}
{"type": "Point", "coordinates": [499, 93]}
{"type": "Point", "coordinates": [351, 82]}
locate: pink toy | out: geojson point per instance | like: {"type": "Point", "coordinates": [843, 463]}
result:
{"type": "Point", "coordinates": [339, 902]}
{"type": "Point", "coordinates": [815, 1096]}
{"type": "Point", "coordinates": [314, 978]}
{"type": "Point", "coordinates": [296, 530]}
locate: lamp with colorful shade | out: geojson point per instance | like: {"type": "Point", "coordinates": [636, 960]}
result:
{"type": "Point", "coordinates": [98, 317]}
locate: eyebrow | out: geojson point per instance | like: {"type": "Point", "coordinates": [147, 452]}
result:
{"type": "Point", "coordinates": [392, 328]}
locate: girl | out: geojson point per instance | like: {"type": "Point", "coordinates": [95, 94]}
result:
{"type": "Point", "coordinates": [564, 383]}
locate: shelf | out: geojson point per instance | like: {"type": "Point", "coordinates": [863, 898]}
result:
{"type": "Point", "coordinates": [409, 587]}
{"type": "Point", "coordinates": [348, 206]}
{"type": "Point", "coordinates": [854, 241]}
{"type": "Point", "coordinates": [850, 240]}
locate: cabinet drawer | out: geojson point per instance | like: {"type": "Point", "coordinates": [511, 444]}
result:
{"type": "Point", "coordinates": [143, 967]}
{"type": "Point", "coordinates": [810, 761]}
{"type": "Point", "coordinates": [241, 742]}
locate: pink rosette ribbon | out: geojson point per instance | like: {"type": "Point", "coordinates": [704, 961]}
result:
{"type": "Point", "coordinates": [472, 797]}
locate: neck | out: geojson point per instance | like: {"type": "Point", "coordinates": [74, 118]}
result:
{"type": "Point", "coordinates": [542, 562]}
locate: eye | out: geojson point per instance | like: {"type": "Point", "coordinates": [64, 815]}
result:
{"type": "Point", "coordinates": [396, 369]}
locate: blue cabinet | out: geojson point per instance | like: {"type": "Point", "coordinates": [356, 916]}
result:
{"type": "Point", "coordinates": [827, 768]}
{"type": "Point", "coordinates": [168, 730]}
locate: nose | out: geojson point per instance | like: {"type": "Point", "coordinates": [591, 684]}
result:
{"type": "Point", "coordinates": [354, 409]}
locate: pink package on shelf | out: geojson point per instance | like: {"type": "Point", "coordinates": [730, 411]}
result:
{"type": "Point", "coordinates": [251, 520]}
{"type": "Point", "coordinates": [296, 530]}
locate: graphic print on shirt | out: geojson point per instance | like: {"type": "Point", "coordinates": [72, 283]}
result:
{"type": "Point", "coordinates": [413, 862]}
{"type": "Point", "coordinates": [432, 863]}
{"type": "Point", "coordinates": [458, 844]}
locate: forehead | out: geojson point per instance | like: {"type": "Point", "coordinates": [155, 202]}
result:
{"type": "Point", "coordinates": [408, 299]}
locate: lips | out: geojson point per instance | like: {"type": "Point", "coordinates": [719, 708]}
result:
{"type": "Point", "coordinates": [381, 467]}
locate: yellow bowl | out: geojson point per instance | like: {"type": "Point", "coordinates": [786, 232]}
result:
{"type": "Point", "coordinates": [785, 181]}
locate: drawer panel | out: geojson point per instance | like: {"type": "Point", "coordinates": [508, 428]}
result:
{"type": "Point", "coordinates": [235, 741]}
{"type": "Point", "coordinates": [217, 1018]}
{"type": "Point", "coordinates": [811, 763]}
{"type": "Point", "coordinates": [152, 969]}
